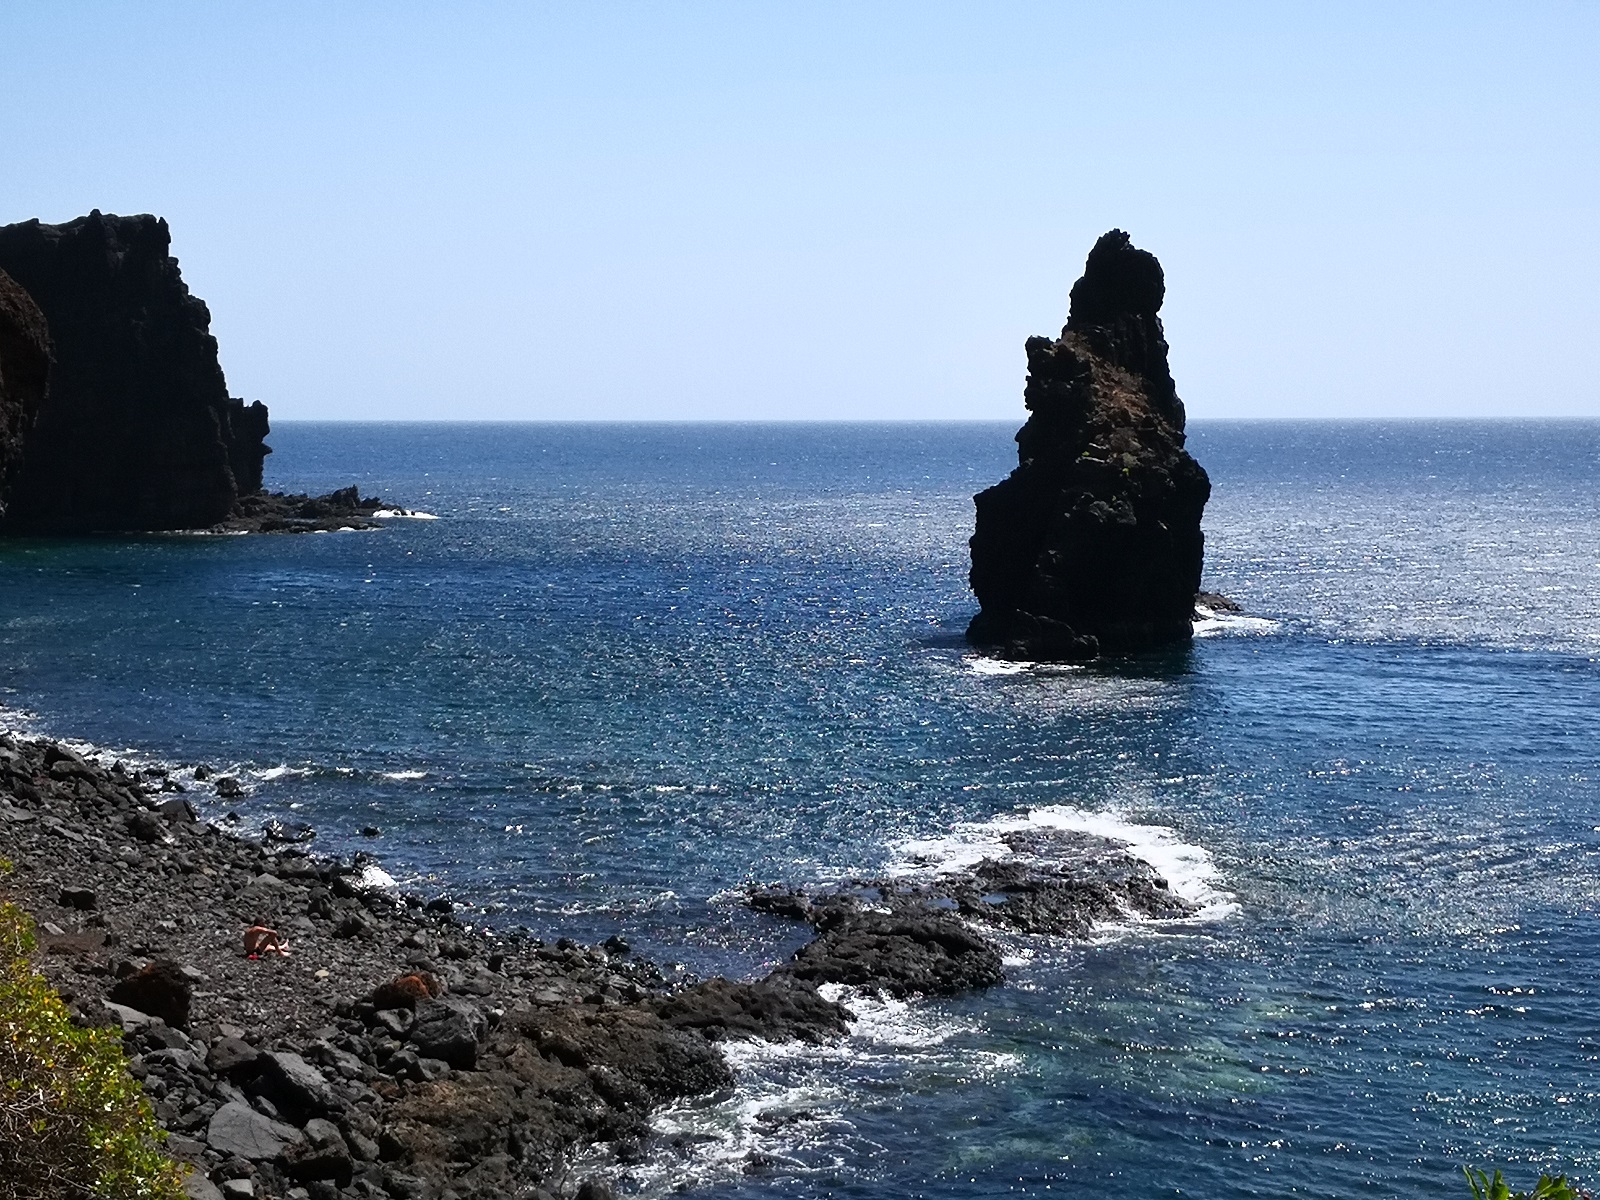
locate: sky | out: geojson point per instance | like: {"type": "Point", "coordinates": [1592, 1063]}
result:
{"type": "Point", "coordinates": [859, 210]}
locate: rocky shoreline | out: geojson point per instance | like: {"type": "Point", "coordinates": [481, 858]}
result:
{"type": "Point", "coordinates": [399, 1052]}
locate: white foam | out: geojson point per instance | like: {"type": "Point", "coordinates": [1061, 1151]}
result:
{"type": "Point", "coordinates": [792, 1101]}
{"type": "Point", "coordinates": [406, 514]}
{"type": "Point", "coordinates": [280, 772]}
{"type": "Point", "coordinates": [979, 665]}
{"type": "Point", "coordinates": [404, 774]}
{"type": "Point", "coordinates": [374, 876]}
{"type": "Point", "coordinates": [1208, 623]}
{"type": "Point", "coordinates": [1188, 869]}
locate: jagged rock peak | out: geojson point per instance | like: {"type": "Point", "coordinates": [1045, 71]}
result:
{"type": "Point", "coordinates": [1093, 544]}
{"type": "Point", "coordinates": [137, 430]}
{"type": "Point", "coordinates": [1119, 280]}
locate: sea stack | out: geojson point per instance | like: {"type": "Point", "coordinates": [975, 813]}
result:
{"type": "Point", "coordinates": [1093, 545]}
{"type": "Point", "coordinates": [136, 430]}
{"type": "Point", "coordinates": [24, 370]}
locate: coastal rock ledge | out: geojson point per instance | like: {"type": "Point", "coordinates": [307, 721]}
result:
{"type": "Point", "coordinates": [1093, 545]}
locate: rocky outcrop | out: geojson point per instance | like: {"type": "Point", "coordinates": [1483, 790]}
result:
{"type": "Point", "coordinates": [932, 934]}
{"type": "Point", "coordinates": [24, 370]}
{"type": "Point", "coordinates": [137, 430]}
{"type": "Point", "coordinates": [1093, 544]}
{"type": "Point", "coordinates": [275, 512]}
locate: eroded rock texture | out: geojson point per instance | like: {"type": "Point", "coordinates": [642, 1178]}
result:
{"type": "Point", "coordinates": [136, 430]}
{"type": "Point", "coordinates": [1093, 544]}
{"type": "Point", "coordinates": [24, 370]}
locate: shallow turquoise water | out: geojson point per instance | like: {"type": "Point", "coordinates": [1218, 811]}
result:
{"type": "Point", "coordinates": [633, 667]}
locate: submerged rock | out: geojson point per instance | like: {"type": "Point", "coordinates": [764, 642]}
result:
{"type": "Point", "coordinates": [1093, 544]}
{"type": "Point", "coordinates": [137, 430]}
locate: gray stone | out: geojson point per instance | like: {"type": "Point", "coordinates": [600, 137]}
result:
{"type": "Point", "coordinates": [322, 1156]}
{"type": "Point", "coordinates": [147, 827]}
{"type": "Point", "coordinates": [78, 897]}
{"type": "Point", "coordinates": [237, 1129]}
{"type": "Point", "coordinates": [396, 1020]}
{"type": "Point", "coordinates": [238, 1189]}
{"type": "Point", "coordinates": [433, 1069]}
{"type": "Point", "coordinates": [448, 1029]}
{"type": "Point", "coordinates": [404, 1064]}
{"type": "Point", "coordinates": [298, 1081]}
{"type": "Point", "coordinates": [198, 1187]}
{"type": "Point", "coordinates": [131, 1019]}
{"type": "Point", "coordinates": [232, 1057]}
{"type": "Point", "coordinates": [174, 1059]}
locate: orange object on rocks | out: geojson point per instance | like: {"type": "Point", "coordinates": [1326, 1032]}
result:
{"type": "Point", "coordinates": [406, 991]}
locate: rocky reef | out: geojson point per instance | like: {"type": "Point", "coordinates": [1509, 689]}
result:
{"type": "Point", "coordinates": [400, 1053]}
{"type": "Point", "coordinates": [136, 430]}
{"type": "Point", "coordinates": [1093, 544]}
{"type": "Point", "coordinates": [933, 933]}
{"type": "Point", "coordinates": [24, 370]}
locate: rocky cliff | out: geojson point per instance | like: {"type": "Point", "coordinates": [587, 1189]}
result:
{"type": "Point", "coordinates": [1093, 544]}
{"type": "Point", "coordinates": [24, 371]}
{"type": "Point", "coordinates": [137, 430]}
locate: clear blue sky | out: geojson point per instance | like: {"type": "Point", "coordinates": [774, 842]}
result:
{"type": "Point", "coordinates": [752, 210]}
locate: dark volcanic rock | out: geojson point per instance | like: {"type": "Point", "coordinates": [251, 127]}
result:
{"type": "Point", "coordinates": [1093, 544]}
{"type": "Point", "coordinates": [925, 934]}
{"type": "Point", "coordinates": [24, 371]}
{"type": "Point", "coordinates": [160, 989]}
{"type": "Point", "coordinates": [137, 430]}
{"type": "Point", "coordinates": [1057, 882]}
{"type": "Point", "coordinates": [448, 1029]}
{"type": "Point", "coordinates": [275, 512]}
{"type": "Point", "coordinates": [778, 1008]}
{"type": "Point", "coordinates": [903, 953]}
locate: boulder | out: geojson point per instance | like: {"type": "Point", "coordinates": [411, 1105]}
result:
{"type": "Point", "coordinates": [448, 1029]}
{"type": "Point", "coordinates": [147, 827]}
{"type": "Point", "coordinates": [290, 1078]}
{"type": "Point", "coordinates": [238, 1130]}
{"type": "Point", "coordinates": [323, 1154]}
{"type": "Point", "coordinates": [161, 989]}
{"type": "Point", "coordinates": [233, 1058]}
{"type": "Point", "coordinates": [81, 898]}
{"type": "Point", "coordinates": [1093, 544]}
{"type": "Point", "coordinates": [136, 429]}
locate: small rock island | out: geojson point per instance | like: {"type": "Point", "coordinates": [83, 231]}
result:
{"type": "Point", "coordinates": [1092, 545]}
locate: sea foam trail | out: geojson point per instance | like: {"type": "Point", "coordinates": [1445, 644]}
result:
{"type": "Point", "coordinates": [792, 1106]}
{"type": "Point", "coordinates": [1208, 623]}
{"type": "Point", "coordinates": [1188, 869]}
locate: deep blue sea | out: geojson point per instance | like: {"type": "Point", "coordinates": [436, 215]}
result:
{"type": "Point", "coordinates": [631, 668]}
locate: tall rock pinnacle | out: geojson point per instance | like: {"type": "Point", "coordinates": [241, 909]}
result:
{"type": "Point", "coordinates": [1093, 545]}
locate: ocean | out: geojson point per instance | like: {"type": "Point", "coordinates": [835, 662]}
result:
{"type": "Point", "coordinates": [630, 669]}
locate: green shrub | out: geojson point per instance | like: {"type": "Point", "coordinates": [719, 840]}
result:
{"type": "Point", "coordinates": [1549, 1187]}
{"type": "Point", "coordinates": [73, 1123]}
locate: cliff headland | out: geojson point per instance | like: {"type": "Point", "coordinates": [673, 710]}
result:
{"type": "Point", "coordinates": [125, 423]}
{"type": "Point", "coordinates": [1093, 544]}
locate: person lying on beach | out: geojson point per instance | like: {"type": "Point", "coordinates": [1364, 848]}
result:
{"type": "Point", "coordinates": [259, 940]}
